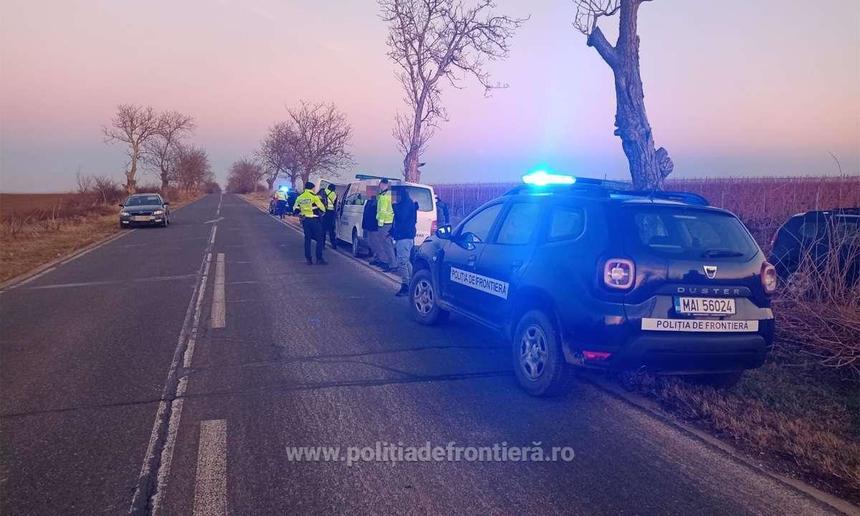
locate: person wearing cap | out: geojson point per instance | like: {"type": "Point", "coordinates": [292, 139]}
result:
{"type": "Point", "coordinates": [310, 209]}
{"type": "Point", "coordinates": [385, 219]}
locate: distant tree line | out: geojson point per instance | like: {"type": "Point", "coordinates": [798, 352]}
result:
{"type": "Point", "coordinates": [312, 141]}
{"type": "Point", "coordinates": [156, 142]}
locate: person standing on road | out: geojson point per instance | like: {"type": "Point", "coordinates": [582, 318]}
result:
{"type": "Point", "coordinates": [384, 219]}
{"type": "Point", "coordinates": [281, 202]}
{"type": "Point", "coordinates": [403, 233]}
{"type": "Point", "coordinates": [370, 228]}
{"type": "Point", "coordinates": [311, 209]}
{"type": "Point", "coordinates": [442, 217]}
{"type": "Point", "coordinates": [330, 214]}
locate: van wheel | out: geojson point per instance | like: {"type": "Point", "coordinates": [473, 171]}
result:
{"type": "Point", "coordinates": [719, 381]}
{"type": "Point", "coordinates": [356, 248]}
{"type": "Point", "coordinates": [423, 298]}
{"type": "Point", "coordinates": [538, 359]}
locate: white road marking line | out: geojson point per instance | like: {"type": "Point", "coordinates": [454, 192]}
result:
{"type": "Point", "coordinates": [111, 282]}
{"type": "Point", "coordinates": [188, 332]}
{"type": "Point", "coordinates": [220, 200]}
{"type": "Point", "coordinates": [210, 485]}
{"type": "Point", "coordinates": [219, 306]}
{"type": "Point", "coordinates": [37, 276]}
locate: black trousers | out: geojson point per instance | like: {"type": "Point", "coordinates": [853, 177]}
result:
{"type": "Point", "coordinates": [313, 230]}
{"type": "Point", "coordinates": [328, 228]}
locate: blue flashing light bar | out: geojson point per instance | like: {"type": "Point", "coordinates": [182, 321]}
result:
{"type": "Point", "coordinates": [284, 188]}
{"type": "Point", "coordinates": [544, 178]}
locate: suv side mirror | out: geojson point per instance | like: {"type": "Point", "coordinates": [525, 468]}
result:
{"type": "Point", "coordinates": [121, 205]}
{"type": "Point", "coordinates": [167, 204]}
{"type": "Point", "coordinates": [467, 240]}
{"type": "Point", "coordinates": [443, 232]}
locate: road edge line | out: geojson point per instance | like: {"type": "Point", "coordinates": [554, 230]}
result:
{"type": "Point", "coordinates": [651, 408]}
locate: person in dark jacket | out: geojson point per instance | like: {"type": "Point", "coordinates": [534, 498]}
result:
{"type": "Point", "coordinates": [442, 217]}
{"type": "Point", "coordinates": [403, 233]}
{"type": "Point", "coordinates": [370, 229]}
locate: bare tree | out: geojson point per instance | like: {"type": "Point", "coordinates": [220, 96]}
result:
{"type": "Point", "coordinates": [84, 182]}
{"type": "Point", "coordinates": [277, 154]}
{"type": "Point", "coordinates": [432, 40]}
{"type": "Point", "coordinates": [134, 126]}
{"type": "Point", "coordinates": [192, 168]}
{"type": "Point", "coordinates": [160, 150]}
{"type": "Point", "coordinates": [107, 190]}
{"type": "Point", "coordinates": [321, 138]}
{"type": "Point", "coordinates": [244, 176]}
{"type": "Point", "coordinates": [648, 167]}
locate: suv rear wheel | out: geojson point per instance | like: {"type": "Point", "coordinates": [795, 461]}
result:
{"type": "Point", "coordinates": [423, 299]}
{"type": "Point", "coordinates": [538, 358]}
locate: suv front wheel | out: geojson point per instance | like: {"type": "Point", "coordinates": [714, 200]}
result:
{"type": "Point", "coordinates": [423, 299]}
{"type": "Point", "coordinates": [538, 358]}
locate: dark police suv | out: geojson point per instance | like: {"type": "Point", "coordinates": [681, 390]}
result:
{"type": "Point", "coordinates": [580, 272]}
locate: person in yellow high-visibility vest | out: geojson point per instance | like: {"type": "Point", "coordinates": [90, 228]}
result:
{"type": "Point", "coordinates": [311, 209]}
{"type": "Point", "coordinates": [281, 202]}
{"type": "Point", "coordinates": [330, 214]}
{"type": "Point", "coordinates": [385, 218]}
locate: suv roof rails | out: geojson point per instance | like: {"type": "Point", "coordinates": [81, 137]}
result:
{"type": "Point", "coordinates": [363, 177]}
{"type": "Point", "coordinates": [684, 197]}
{"type": "Point", "coordinates": [607, 188]}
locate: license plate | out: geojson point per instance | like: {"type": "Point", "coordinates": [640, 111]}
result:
{"type": "Point", "coordinates": [699, 326]}
{"type": "Point", "coordinates": [141, 218]}
{"type": "Point", "coordinates": [705, 305]}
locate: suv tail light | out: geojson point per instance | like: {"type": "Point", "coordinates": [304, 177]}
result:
{"type": "Point", "coordinates": [768, 278]}
{"type": "Point", "coordinates": [619, 273]}
{"type": "Point", "coordinates": [433, 228]}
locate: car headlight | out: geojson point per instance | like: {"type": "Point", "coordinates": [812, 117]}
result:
{"type": "Point", "coordinates": [124, 214]}
{"type": "Point", "coordinates": [158, 212]}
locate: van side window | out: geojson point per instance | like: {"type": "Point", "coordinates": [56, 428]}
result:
{"type": "Point", "coordinates": [565, 223]}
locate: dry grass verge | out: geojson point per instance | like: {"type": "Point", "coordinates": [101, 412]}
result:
{"type": "Point", "coordinates": [802, 421]}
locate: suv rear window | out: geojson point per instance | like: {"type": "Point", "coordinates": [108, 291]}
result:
{"type": "Point", "coordinates": [690, 234]}
{"type": "Point", "coordinates": [420, 195]}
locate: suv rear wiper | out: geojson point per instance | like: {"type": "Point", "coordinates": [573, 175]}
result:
{"type": "Point", "coordinates": [721, 253]}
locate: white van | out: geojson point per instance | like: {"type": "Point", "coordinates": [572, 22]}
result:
{"type": "Point", "coordinates": [357, 193]}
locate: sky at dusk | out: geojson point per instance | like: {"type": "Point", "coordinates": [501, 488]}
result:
{"type": "Point", "coordinates": [736, 87]}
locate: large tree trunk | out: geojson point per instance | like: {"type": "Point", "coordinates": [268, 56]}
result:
{"type": "Point", "coordinates": [648, 167]}
{"type": "Point", "coordinates": [165, 180]}
{"type": "Point", "coordinates": [130, 183]}
{"type": "Point", "coordinates": [410, 167]}
{"type": "Point", "coordinates": [271, 182]}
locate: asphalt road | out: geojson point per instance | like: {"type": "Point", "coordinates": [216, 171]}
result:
{"type": "Point", "coordinates": [175, 370]}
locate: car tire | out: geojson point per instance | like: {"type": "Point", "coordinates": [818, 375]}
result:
{"type": "Point", "coordinates": [538, 358]}
{"type": "Point", "coordinates": [423, 299]}
{"type": "Point", "coordinates": [356, 246]}
{"type": "Point", "coordinates": [720, 381]}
